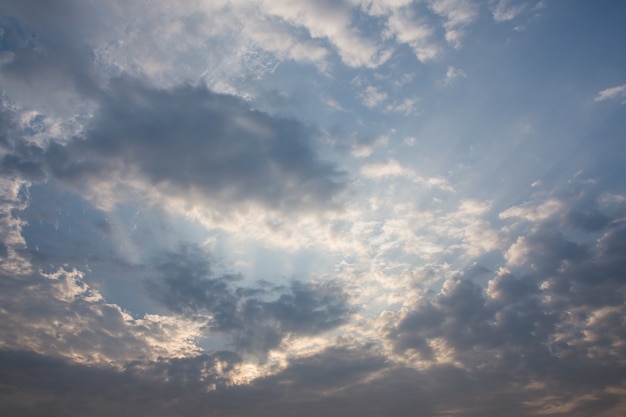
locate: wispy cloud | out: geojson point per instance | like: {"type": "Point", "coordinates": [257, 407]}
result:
{"type": "Point", "coordinates": [405, 27]}
{"type": "Point", "coordinates": [613, 93]}
{"type": "Point", "coordinates": [453, 74]}
{"type": "Point", "coordinates": [505, 10]}
{"type": "Point", "coordinates": [458, 14]}
{"type": "Point", "coordinates": [372, 96]}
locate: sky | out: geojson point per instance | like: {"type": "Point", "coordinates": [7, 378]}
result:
{"type": "Point", "coordinates": [312, 208]}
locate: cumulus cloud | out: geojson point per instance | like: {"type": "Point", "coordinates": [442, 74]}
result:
{"type": "Point", "coordinates": [331, 20]}
{"type": "Point", "coordinates": [574, 211]}
{"type": "Point", "coordinates": [458, 14]}
{"type": "Point", "coordinates": [279, 40]}
{"type": "Point", "coordinates": [406, 28]}
{"type": "Point", "coordinates": [532, 212]}
{"type": "Point", "coordinates": [547, 310]}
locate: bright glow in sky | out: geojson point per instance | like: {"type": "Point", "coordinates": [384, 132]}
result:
{"type": "Point", "coordinates": [312, 208]}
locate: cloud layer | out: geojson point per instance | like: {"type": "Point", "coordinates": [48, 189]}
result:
{"type": "Point", "coordinates": [353, 207]}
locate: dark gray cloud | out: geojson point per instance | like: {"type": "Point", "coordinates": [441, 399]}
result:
{"type": "Point", "coordinates": [189, 142]}
{"type": "Point", "coordinates": [556, 317]}
{"type": "Point", "coordinates": [329, 383]}
{"type": "Point", "coordinates": [35, 385]}
{"type": "Point", "coordinates": [339, 381]}
{"type": "Point", "coordinates": [586, 216]}
{"type": "Point", "coordinates": [47, 61]}
{"type": "Point", "coordinates": [8, 124]}
{"type": "Point", "coordinates": [24, 162]}
{"type": "Point", "coordinates": [480, 331]}
{"type": "Point", "coordinates": [19, 158]}
{"type": "Point", "coordinates": [256, 318]}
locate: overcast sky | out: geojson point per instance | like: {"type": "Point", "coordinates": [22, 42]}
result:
{"type": "Point", "coordinates": [313, 208]}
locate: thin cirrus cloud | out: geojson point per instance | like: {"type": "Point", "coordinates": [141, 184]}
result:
{"type": "Point", "coordinates": [257, 207]}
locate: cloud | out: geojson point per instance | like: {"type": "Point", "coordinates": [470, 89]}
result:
{"type": "Point", "coordinates": [54, 311]}
{"type": "Point", "coordinates": [50, 66]}
{"type": "Point", "coordinates": [284, 45]}
{"type": "Point", "coordinates": [256, 319]}
{"type": "Point", "coordinates": [382, 7]}
{"type": "Point", "coordinates": [458, 15]}
{"type": "Point", "coordinates": [546, 316]}
{"type": "Point", "coordinates": [337, 381]}
{"type": "Point", "coordinates": [406, 106]}
{"type": "Point", "coordinates": [188, 142]}
{"type": "Point", "coordinates": [392, 168]}
{"type": "Point", "coordinates": [505, 10]}
{"type": "Point", "coordinates": [372, 97]}
{"type": "Point", "coordinates": [406, 28]}
{"type": "Point", "coordinates": [613, 93]}
{"type": "Point", "coordinates": [419, 294]}
{"type": "Point", "coordinates": [541, 332]}
{"type": "Point", "coordinates": [159, 388]}
{"type": "Point", "coordinates": [364, 148]}
{"type": "Point", "coordinates": [330, 20]}
{"type": "Point", "coordinates": [531, 212]}
{"type": "Point", "coordinates": [573, 211]}
{"type": "Point", "coordinates": [453, 74]}
{"type": "Point", "coordinates": [58, 314]}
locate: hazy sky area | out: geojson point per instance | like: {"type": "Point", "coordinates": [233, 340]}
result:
{"type": "Point", "coordinates": [313, 208]}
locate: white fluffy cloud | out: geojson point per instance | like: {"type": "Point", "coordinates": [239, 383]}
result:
{"type": "Point", "coordinates": [458, 15]}
{"type": "Point", "coordinates": [407, 28]}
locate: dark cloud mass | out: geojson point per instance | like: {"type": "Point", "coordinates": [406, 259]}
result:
{"type": "Point", "coordinates": [189, 142]}
{"type": "Point", "coordinates": [335, 382]}
{"type": "Point", "coordinates": [256, 319]}
{"type": "Point", "coordinates": [44, 53]}
{"type": "Point", "coordinates": [555, 323]}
